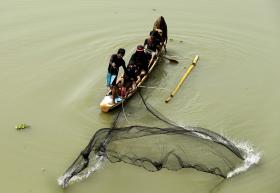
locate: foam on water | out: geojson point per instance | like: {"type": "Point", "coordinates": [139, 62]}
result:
{"type": "Point", "coordinates": [252, 157]}
{"type": "Point", "coordinates": [94, 166]}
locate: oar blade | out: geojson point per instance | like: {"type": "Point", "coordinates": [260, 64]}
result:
{"type": "Point", "coordinates": [171, 60]}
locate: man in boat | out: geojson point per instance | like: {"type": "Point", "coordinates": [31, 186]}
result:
{"type": "Point", "coordinates": [157, 34]}
{"type": "Point", "coordinates": [161, 24]}
{"type": "Point", "coordinates": [116, 61]}
{"type": "Point", "coordinates": [141, 60]}
{"type": "Point", "coordinates": [130, 79]}
{"type": "Point", "coordinates": [152, 46]}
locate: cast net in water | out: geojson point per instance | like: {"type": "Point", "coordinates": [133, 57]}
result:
{"type": "Point", "coordinates": [144, 138]}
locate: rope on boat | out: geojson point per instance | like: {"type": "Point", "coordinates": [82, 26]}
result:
{"type": "Point", "coordinates": [124, 112]}
{"type": "Point", "coordinates": [154, 87]}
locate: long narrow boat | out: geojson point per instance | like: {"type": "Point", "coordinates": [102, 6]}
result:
{"type": "Point", "coordinates": [107, 104]}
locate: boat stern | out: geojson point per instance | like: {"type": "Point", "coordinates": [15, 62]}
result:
{"type": "Point", "coordinates": [106, 104]}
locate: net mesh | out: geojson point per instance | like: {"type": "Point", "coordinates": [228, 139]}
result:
{"type": "Point", "coordinates": [153, 144]}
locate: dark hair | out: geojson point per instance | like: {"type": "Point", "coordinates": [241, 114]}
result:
{"type": "Point", "coordinates": [121, 51]}
{"type": "Point", "coordinates": [153, 33]}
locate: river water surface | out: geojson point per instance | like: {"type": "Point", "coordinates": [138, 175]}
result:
{"type": "Point", "coordinates": [53, 59]}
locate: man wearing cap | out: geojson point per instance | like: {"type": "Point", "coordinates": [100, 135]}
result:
{"type": "Point", "coordinates": [141, 60]}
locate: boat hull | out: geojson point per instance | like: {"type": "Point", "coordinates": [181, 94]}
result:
{"type": "Point", "coordinates": [107, 104]}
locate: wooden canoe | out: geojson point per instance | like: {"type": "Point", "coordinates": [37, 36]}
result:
{"type": "Point", "coordinates": [107, 104]}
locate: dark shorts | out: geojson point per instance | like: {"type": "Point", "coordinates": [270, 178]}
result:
{"type": "Point", "coordinates": [127, 81]}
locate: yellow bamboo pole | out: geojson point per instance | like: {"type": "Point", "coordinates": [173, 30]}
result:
{"type": "Point", "coordinates": [182, 79]}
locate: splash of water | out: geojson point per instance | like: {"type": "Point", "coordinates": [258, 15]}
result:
{"type": "Point", "coordinates": [99, 160]}
{"type": "Point", "coordinates": [251, 156]}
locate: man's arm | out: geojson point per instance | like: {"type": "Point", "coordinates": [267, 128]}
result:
{"type": "Point", "coordinates": [124, 67]}
{"type": "Point", "coordinates": [111, 62]}
{"type": "Point", "coordinates": [132, 59]}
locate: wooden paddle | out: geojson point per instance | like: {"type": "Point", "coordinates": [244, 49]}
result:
{"type": "Point", "coordinates": [182, 79]}
{"type": "Point", "coordinates": [170, 59]}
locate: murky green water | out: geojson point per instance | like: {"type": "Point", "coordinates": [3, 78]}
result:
{"type": "Point", "coordinates": [53, 59]}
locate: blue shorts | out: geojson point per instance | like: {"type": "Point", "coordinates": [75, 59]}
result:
{"type": "Point", "coordinates": [111, 79]}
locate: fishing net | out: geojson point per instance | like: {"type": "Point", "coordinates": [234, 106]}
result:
{"type": "Point", "coordinates": [153, 144]}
